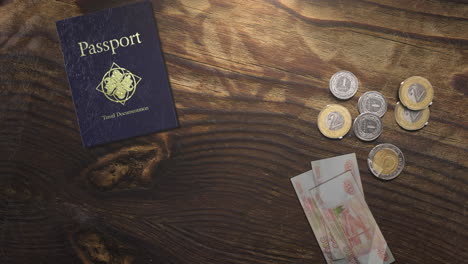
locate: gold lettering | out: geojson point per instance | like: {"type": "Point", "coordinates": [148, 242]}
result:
{"type": "Point", "coordinates": [121, 41]}
{"type": "Point", "coordinates": [131, 39]}
{"type": "Point", "coordinates": [107, 45]}
{"type": "Point", "coordinates": [105, 117]}
{"type": "Point", "coordinates": [81, 48]}
{"type": "Point", "coordinates": [112, 46]}
{"type": "Point", "coordinates": [99, 48]}
{"type": "Point", "coordinates": [138, 37]}
{"type": "Point", "coordinates": [92, 50]}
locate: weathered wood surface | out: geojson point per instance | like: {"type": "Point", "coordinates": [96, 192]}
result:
{"type": "Point", "coordinates": [249, 78]}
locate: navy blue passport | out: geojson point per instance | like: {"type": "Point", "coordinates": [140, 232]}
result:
{"type": "Point", "coordinates": [117, 74]}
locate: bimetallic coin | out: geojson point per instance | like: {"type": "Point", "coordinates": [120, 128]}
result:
{"type": "Point", "coordinates": [367, 126]}
{"type": "Point", "coordinates": [386, 161]}
{"type": "Point", "coordinates": [411, 119]}
{"type": "Point", "coordinates": [343, 85]}
{"type": "Point", "coordinates": [372, 102]}
{"type": "Point", "coordinates": [334, 121]}
{"type": "Point", "coordinates": [416, 93]}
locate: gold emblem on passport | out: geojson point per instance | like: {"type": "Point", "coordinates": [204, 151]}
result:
{"type": "Point", "coordinates": [118, 84]}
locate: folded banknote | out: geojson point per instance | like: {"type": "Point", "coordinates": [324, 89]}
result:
{"type": "Point", "coordinates": [332, 198]}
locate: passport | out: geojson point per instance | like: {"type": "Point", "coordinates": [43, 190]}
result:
{"type": "Point", "coordinates": [117, 74]}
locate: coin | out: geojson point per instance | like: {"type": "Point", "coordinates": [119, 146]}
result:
{"type": "Point", "coordinates": [334, 121]}
{"type": "Point", "coordinates": [386, 161]}
{"type": "Point", "coordinates": [411, 119]}
{"type": "Point", "coordinates": [372, 102]}
{"type": "Point", "coordinates": [416, 93]}
{"type": "Point", "coordinates": [367, 126]}
{"type": "Point", "coordinates": [343, 85]}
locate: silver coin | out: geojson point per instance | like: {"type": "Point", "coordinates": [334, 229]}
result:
{"type": "Point", "coordinates": [367, 126]}
{"type": "Point", "coordinates": [343, 85]}
{"type": "Point", "coordinates": [386, 161]}
{"type": "Point", "coordinates": [372, 102]}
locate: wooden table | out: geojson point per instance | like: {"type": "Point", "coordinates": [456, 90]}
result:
{"type": "Point", "coordinates": [249, 78]}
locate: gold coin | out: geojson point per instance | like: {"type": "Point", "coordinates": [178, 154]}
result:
{"type": "Point", "coordinates": [416, 93]}
{"type": "Point", "coordinates": [411, 119]}
{"type": "Point", "coordinates": [386, 161]}
{"type": "Point", "coordinates": [334, 121]}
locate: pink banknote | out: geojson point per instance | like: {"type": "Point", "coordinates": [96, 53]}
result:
{"type": "Point", "coordinates": [350, 221]}
{"type": "Point", "coordinates": [334, 242]}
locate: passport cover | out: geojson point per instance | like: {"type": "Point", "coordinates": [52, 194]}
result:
{"type": "Point", "coordinates": [117, 74]}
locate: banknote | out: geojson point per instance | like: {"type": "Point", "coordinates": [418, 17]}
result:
{"type": "Point", "coordinates": [346, 214]}
{"type": "Point", "coordinates": [322, 172]}
{"type": "Point", "coordinates": [326, 169]}
{"type": "Point", "coordinates": [303, 183]}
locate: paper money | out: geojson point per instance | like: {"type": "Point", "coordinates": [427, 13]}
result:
{"type": "Point", "coordinates": [302, 184]}
{"type": "Point", "coordinates": [326, 169]}
{"type": "Point", "coordinates": [350, 221]}
{"type": "Point", "coordinates": [331, 228]}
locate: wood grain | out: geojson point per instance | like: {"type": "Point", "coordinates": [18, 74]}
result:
{"type": "Point", "coordinates": [249, 78]}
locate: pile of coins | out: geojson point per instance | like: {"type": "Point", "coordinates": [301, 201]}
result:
{"type": "Point", "coordinates": [385, 161]}
{"type": "Point", "coordinates": [334, 121]}
{"type": "Point", "coordinates": [416, 94]}
{"type": "Point", "coordinates": [372, 106]}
